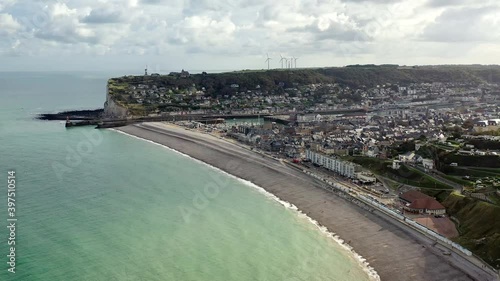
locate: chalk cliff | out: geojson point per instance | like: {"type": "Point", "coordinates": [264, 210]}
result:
{"type": "Point", "coordinates": [112, 109]}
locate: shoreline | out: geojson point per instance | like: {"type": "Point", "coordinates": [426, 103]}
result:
{"type": "Point", "coordinates": [394, 253]}
{"type": "Point", "coordinates": [349, 250]}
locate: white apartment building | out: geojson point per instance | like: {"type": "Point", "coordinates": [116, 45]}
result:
{"type": "Point", "coordinates": [344, 168]}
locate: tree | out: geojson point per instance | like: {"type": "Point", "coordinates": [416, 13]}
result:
{"type": "Point", "coordinates": [468, 124]}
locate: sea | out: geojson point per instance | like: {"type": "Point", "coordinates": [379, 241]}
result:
{"type": "Point", "coordinates": [101, 205]}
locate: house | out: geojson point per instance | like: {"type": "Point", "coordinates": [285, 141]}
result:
{"type": "Point", "coordinates": [418, 145]}
{"type": "Point", "coordinates": [184, 74]}
{"type": "Point", "coordinates": [417, 202]}
{"type": "Point", "coordinates": [407, 157]}
{"type": "Point", "coordinates": [428, 163]}
{"type": "Point", "coordinates": [396, 164]}
{"type": "Point", "coordinates": [371, 150]}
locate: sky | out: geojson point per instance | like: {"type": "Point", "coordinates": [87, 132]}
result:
{"type": "Point", "coordinates": [215, 35]}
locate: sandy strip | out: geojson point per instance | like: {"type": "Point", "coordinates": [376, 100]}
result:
{"type": "Point", "coordinates": [396, 253]}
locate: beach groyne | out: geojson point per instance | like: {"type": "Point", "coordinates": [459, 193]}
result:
{"type": "Point", "coordinates": [395, 252]}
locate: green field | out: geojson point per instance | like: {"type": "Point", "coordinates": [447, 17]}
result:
{"type": "Point", "coordinates": [495, 171]}
{"type": "Point", "coordinates": [459, 180]}
{"type": "Point", "coordinates": [474, 172]}
{"type": "Point", "coordinates": [404, 175]}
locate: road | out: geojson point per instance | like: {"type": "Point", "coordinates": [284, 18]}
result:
{"type": "Point", "coordinates": [473, 266]}
{"type": "Point", "coordinates": [456, 186]}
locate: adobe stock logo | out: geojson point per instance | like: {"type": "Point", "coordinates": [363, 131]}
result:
{"type": "Point", "coordinates": [75, 156]}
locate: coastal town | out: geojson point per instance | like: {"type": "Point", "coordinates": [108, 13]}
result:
{"type": "Point", "coordinates": [418, 149]}
{"type": "Point", "coordinates": [392, 150]}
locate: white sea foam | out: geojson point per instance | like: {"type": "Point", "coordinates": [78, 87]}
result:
{"type": "Point", "coordinates": [372, 274]}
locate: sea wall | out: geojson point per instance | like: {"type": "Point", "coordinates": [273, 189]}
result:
{"type": "Point", "coordinates": [112, 109]}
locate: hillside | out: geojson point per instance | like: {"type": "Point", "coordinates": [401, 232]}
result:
{"type": "Point", "coordinates": [354, 76]}
{"type": "Point", "coordinates": [479, 226]}
{"type": "Point", "coordinates": [176, 90]}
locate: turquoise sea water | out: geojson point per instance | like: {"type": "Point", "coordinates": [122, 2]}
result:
{"type": "Point", "coordinates": [100, 205]}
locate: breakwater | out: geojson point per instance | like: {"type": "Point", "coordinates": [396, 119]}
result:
{"type": "Point", "coordinates": [90, 114]}
{"type": "Point", "coordinates": [112, 123]}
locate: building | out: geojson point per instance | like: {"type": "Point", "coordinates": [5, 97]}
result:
{"type": "Point", "coordinates": [396, 164]}
{"type": "Point", "coordinates": [371, 150]}
{"type": "Point", "coordinates": [366, 178]}
{"type": "Point", "coordinates": [419, 203]}
{"type": "Point", "coordinates": [494, 122]}
{"type": "Point", "coordinates": [428, 163]}
{"type": "Point", "coordinates": [341, 167]}
{"type": "Point", "coordinates": [407, 157]}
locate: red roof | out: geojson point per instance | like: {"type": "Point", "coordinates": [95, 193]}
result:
{"type": "Point", "coordinates": [413, 195]}
{"type": "Point", "coordinates": [418, 200]}
{"type": "Point", "coordinates": [427, 203]}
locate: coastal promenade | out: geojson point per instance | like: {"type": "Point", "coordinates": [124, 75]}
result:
{"type": "Point", "coordinates": [396, 253]}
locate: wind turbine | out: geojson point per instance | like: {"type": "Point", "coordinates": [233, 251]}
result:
{"type": "Point", "coordinates": [286, 62]}
{"type": "Point", "coordinates": [281, 60]}
{"type": "Point", "coordinates": [267, 60]}
{"type": "Point", "coordinates": [295, 60]}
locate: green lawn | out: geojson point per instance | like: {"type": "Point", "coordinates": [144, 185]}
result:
{"type": "Point", "coordinates": [459, 180]}
{"type": "Point", "coordinates": [444, 147]}
{"type": "Point", "coordinates": [475, 172]}
{"type": "Point", "coordinates": [405, 175]}
{"type": "Point", "coordinates": [489, 170]}
{"type": "Point", "coordinates": [478, 222]}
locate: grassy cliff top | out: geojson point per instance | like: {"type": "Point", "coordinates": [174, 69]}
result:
{"type": "Point", "coordinates": [479, 226]}
{"type": "Point", "coordinates": [353, 76]}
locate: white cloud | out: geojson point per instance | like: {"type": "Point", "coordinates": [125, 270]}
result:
{"type": "Point", "coordinates": [464, 24]}
{"type": "Point", "coordinates": [61, 9]}
{"type": "Point", "coordinates": [203, 32]}
{"type": "Point", "coordinates": [6, 3]}
{"type": "Point", "coordinates": [321, 32]}
{"type": "Point", "coordinates": [8, 24]}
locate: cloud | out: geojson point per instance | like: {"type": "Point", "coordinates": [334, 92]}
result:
{"type": "Point", "coordinates": [319, 31]}
{"type": "Point", "coordinates": [99, 16]}
{"type": "Point", "coordinates": [373, 1]}
{"type": "Point", "coordinates": [203, 31]}
{"type": "Point", "coordinates": [6, 3]}
{"type": "Point", "coordinates": [336, 27]}
{"type": "Point", "coordinates": [153, 2]}
{"type": "Point", "coordinates": [8, 25]}
{"type": "Point", "coordinates": [446, 3]}
{"type": "Point", "coordinates": [463, 25]}
{"type": "Point", "coordinates": [63, 26]}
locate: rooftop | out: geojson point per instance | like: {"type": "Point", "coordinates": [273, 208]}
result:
{"type": "Point", "coordinates": [418, 200]}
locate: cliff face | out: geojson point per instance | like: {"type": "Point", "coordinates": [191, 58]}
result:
{"type": "Point", "coordinates": [112, 109]}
